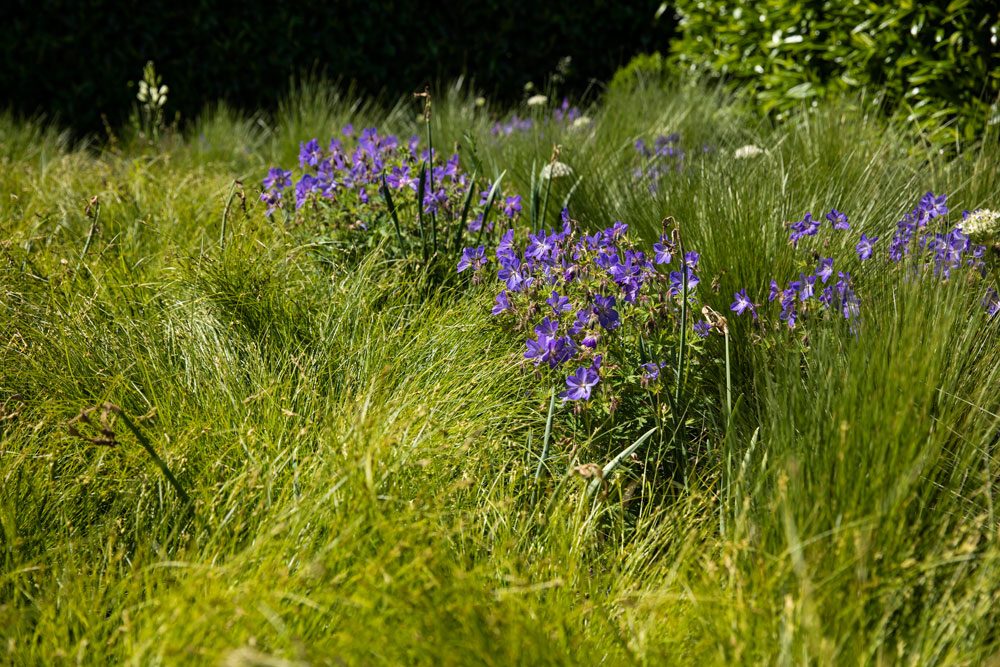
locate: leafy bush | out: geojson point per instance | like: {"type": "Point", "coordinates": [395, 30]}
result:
{"type": "Point", "coordinates": [75, 59]}
{"type": "Point", "coordinates": [643, 70]}
{"type": "Point", "coordinates": [935, 63]}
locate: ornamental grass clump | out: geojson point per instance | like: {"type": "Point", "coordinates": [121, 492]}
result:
{"type": "Point", "coordinates": [362, 190]}
{"type": "Point", "coordinates": [923, 246]}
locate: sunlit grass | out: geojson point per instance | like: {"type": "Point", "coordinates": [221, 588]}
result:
{"type": "Point", "coordinates": [361, 448]}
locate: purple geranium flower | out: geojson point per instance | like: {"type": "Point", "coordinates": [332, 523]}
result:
{"type": "Point", "coordinates": [866, 247]}
{"type": "Point", "coordinates": [309, 154]}
{"type": "Point", "coordinates": [838, 219]}
{"type": "Point", "coordinates": [502, 303]}
{"type": "Point", "coordinates": [560, 304]}
{"type": "Point", "coordinates": [825, 269]}
{"type": "Point", "coordinates": [742, 304]}
{"type": "Point", "coordinates": [934, 206]}
{"type": "Point", "coordinates": [547, 327]}
{"type": "Point", "coordinates": [473, 258]}
{"type": "Point", "coordinates": [663, 251]}
{"type": "Point", "coordinates": [433, 201]}
{"type": "Point", "coordinates": [650, 372]}
{"type": "Point", "coordinates": [277, 179]}
{"type": "Point", "coordinates": [607, 316]}
{"type": "Point", "coordinates": [580, 384]}
{"type": "Point", "coordinates": [991, 302]}
{"type": "Point", "coordinates": [512, 206]}
{"type": "Point", "coordinates": [775, 291]}
{"type": "Point", "coordinates": [677, 280]}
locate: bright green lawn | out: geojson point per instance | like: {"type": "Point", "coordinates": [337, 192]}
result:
{"type": "Point", "coordinates": [360, 447]}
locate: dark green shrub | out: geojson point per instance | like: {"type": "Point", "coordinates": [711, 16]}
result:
{"type": "Point", "coordinates": [933, 62]}
{"type": "Point", "coordinates": [644, 69]}
{"type": "Point", "coordinates": [74, 59]}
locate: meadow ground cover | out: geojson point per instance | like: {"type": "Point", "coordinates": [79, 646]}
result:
{"type": "Point", "coordinates": [733, 405]}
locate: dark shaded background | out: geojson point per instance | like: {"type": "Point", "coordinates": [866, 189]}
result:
{"type": "Point", "coordinates": [72, 61]}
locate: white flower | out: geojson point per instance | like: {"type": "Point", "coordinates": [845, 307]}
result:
{"type": "Point", "coordinates": [982, 223]}
{"type": "Point", "coordinates": [582, 121]}
{"type": "Point", "coordinates": [556, 170]}
{"type": "Point", "coordinates": [749, 150]}
{"type": "Point", "coordinates": [537, 100]}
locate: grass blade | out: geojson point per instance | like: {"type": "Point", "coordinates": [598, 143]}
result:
{"type": "Point", "coordinates": [465, 210]}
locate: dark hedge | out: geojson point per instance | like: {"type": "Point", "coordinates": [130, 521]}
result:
{"type": "Point", "coordinates": [73, 60]}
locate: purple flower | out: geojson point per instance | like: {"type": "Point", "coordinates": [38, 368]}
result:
{"type": "Point", "coordinates": [934, 206]}
{"type": "Point", "coordinates": [539, 247]}
{"type": "Point", "coordinates": [512, 206]}
{"type": "Point", "coordinates": [742, 304]}
{"type": "Point", "coordinates": [865, 247]}
{"type": "Point", "coordinates": [502, 303]}
{"type": "Point", "coordinates": [691, 259]}
{"type": "Point", "coordinates": [826, 296]}
{"type": "Point", "coordinates": [825, 269]}
{"type": "Point", "coordinates": [804, 227]}
{"type": "Point", "coordinates": [704, 327]}
{"type": "Point", "coordinates": [808, 284]}
{"type": "Point", "coordinates": [838, 219]}
{"type": "Point", "coordinates": [991, 302]}
{"type": "Point", "coordinates": [563, 349]}
{"type": "Point", "coordinates": [591, 339]}
{"type": "Point", "coordinates": [547, 327]}
{"type": "Point", "coordinates": [650, 372]}
{"type": "Point", "coordinates": [560, 304]}
{"type": "Point", "coordinates": [580, 384]}
{"type": "Point", "coordinates": [607, 316]}
{"type": "Point", "coordinates": [400, 177]}
{"type": "Point", "coordinates": [309, 154]}
{"type": "Point", "coordinates": [663, 251]}
{"type": "Point", "coordinates": [775, 291]}
{"type": "Point", "coordinates": [273, 201]}
{"type": "Point", "coordinates": [473, 258]}
{"type": "Point", "coordinates": [433, 201]}
{"type": "Point", "coordinates": [505, 248]}
{"type": "Point", "coordinates": [582, 321]}
{"type": "Point", "coordinates": [305, 187]}
{"type": "Point", "coordinates": [538, 348]}
{"type": "Point", "coordinates": [677, 281]}
{"type": "Point", "coordinates": [277, 179]}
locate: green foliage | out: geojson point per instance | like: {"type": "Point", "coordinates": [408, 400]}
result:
{"type": "Point", "coordinates": [645, 69]}
{"type": "Point", "coordinates": [361, 451]}
{"type": "Point", "coordinates": [935, 64]}
{"type": "Point", "coordinates": [73, 59]}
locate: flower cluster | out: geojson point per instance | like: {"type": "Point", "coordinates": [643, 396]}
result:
{"type": "Point", "coordinates": [937, 254]}
{"type": "Point", "coordinates": [663, 157]}
{"type": "Point", "coordinates": [982, 224]}
{"type": "Point", "coordinates": [593, 304]}
{"type": "Point", "coordinates": [564, 114]}
{"type": "Point", "coordinates": [353, 181]}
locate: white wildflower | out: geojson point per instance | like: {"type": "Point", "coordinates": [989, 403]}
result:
{"type": "Point", "coordinates": [556, 170]}
{"type": "Point", "coordinates": [581, 122]}
{"type": "Point", "coordinates": [537, 100]}
{"type": "Point", "coordinates": [749, 150]}
{"type": "Point", "coordinates": [982, 223]}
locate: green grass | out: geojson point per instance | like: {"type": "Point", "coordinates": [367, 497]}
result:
{"type": "Point", "coordinates": [361, 446]}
